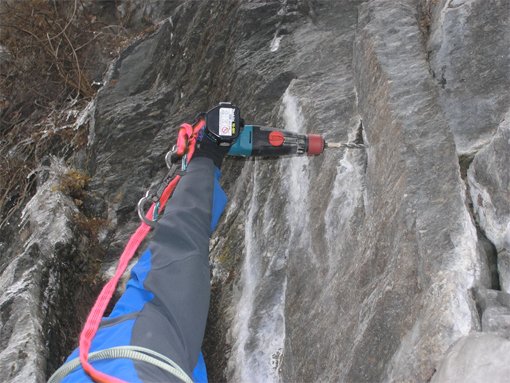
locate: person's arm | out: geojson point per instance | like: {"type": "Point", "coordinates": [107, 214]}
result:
{"type": "Point", "coordinates": [165, 305]}
{"type": "Point", "coordinates": [173, 322]}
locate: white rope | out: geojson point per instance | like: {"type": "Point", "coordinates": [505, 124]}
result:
{"type": "Point", "coordinates": [128, 352]}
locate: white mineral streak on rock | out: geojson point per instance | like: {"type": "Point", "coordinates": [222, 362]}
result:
{"type": "Point", "coordinates": [275, 43]}
{"type": "Point", "coordinates": [87, 115]}
{"type": "Point", "coordinates": [345, 197]}
{"type": "Point", "coordinates": [244, 364]}
{"type": "Point", "coordinates": [260, 336]}
{"type": "Point", "coordinates": [295, 172]}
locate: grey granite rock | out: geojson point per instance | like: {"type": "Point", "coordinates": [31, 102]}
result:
{"type": "Point", "coordinates": [497, 320]}
{"type": "Point", "coordinates": [494, 307]}
{"type": "Point", "coordinates": [476, 358]}
{"type": "Point", "coordinates": [489, 183]}
{"type": "Point", "coordinates": [504, 269]}
{"type": "Point", "coordinates": [470, 61]}
{"type": "Point", "coordinates": [413, 168]}
{"type": "Point", "coordinates": [36, 283]}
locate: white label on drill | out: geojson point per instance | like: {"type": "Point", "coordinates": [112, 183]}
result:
{"type": "Point", "coordinates": [227, 118]}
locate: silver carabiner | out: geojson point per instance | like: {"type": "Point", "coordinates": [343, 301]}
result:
{"type": "Point", "coordinates": [168, 157]}
{"type": "Point", "coordinates": [141, 212]}
{"type": "Point", "coordinates": [152, 197]}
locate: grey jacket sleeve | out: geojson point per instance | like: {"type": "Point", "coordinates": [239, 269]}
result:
{"type": "Point", "coordinates": [173, 322]}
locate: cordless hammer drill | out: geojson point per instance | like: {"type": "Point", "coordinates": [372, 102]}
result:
{"type": "Point", "coordinates": [225, 126]}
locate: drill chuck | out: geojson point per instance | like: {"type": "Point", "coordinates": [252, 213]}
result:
{"type": "Point", "coordinates": [316, 144]}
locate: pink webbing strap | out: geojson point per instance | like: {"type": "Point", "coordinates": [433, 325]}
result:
{"type": "Point", "coordinates": [96, 314]}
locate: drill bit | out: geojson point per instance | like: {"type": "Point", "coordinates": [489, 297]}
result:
{"type": "Point", "coordinates": [340, 145]}
{"type": "Point", "coordinates": [349, 145]}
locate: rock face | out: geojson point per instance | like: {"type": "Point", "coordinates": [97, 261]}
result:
{"type": "Point", "coordinates": [384, 264]}
{"type": "Point", "coordinates": [477, 358]}
{"type": "Point", "coordinates": [489, 178]}
{"type": "Point", "coordinates": [468, 54]}
{"type": "Point", "coordinates": [41, 281]}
